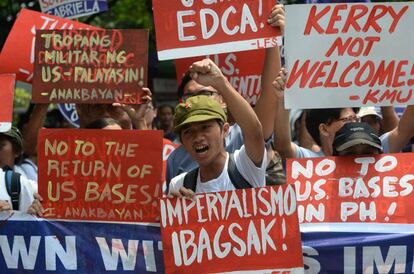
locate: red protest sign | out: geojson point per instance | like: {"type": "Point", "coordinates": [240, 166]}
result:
{"type": "Point", "coordinates": [240, 230]}
{"type": "Point", "coordinates": [375, 189]}
{"type": "Point", "coordinates": [90, 66]}
{"type": "Point", "coordinates": [6, 95]}
{"type": "Point", "coordinates": [349, 55]}
{"type": "Point", "coordinates": [195, 28]}
{"type": "Point", "coordinates": [167, 148]}
{"type": "Point", "coordinates": [106, 175]}
{"type": "Point", "coordinates": [243, 73]}
{"type": "Point", "coordinates": [17, 55]}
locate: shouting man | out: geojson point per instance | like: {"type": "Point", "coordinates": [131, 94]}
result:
{"type": "Point", "coordinates": [201, 124]}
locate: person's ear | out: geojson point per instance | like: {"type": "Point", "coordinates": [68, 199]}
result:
{"type": "Point", "coordinates": [323, 130]}
{"type": "Point", "coordinates": [226, 129]}
{"type": "Point", "coordinates": [222, 103]}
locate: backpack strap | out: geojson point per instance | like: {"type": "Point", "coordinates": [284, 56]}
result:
{"type": "Point", "coordinates": [238, 181]}
{"type": "Point", "coordinates": [190, 179]}
{"type": "Point", "coordinates": [13, 187]}
{"type": "Point", "coordinates": [235, 177]}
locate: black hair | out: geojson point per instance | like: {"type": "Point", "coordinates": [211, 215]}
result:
{"type": "Point", "coordinates": [184, 81]}
{"type": "Point", "coordinates": [24, 118]}
{"type": "Point", "coordinates": [101, 123]}
{"type": "Point", "coordinates": [315, 117]}
{"type": "Point", "coordinates": [168, 106]}
{"type": "Point", "coordinates": [54, 119]}
{"type": "Point", "coordinates": [16, 147]}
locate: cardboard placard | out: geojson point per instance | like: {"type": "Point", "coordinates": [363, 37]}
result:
{"type": "Point", "coordinates": [18, 53]}
{"type": "Point", "coordinates": [349, 55]}
{"type": "Point", "coordinates": [90, 66]}
{"type": "Point", "coordinates": [358, 189]}
{"type": "Point", "coordinates": [105, 175]}
{"type": "Point", "coordinates": [243, 70]}
{"type": "Point", "coordinates": [240, 230]}
{"type": "Point", "coordinates": [167, 148]}
{"type": "Point", "coordinates": [195, 28]}
{"type": "Point", "coordinates": [6, 95]}
{"type": "Point", "coordinates": [73, 8]}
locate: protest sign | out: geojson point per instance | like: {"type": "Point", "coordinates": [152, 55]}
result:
{"type": "Point", "coordinates": [70, 114]}
{"type": "Point", "coordinates": [167, 148]}
{"type": "Point", "coordinates": [73, 8]}
{"type": "Point", "coordinates": [70, 246]}
{"type": "Point", "coordinates": [111, 175]}
{"type": "Point", "coordinates": [6, 95]}
{"type": "Point", "coordinates": [242, 69]}
{"type": "Point", "coordinates": [194, 28]}
{"type": "Point", "coordinates": [349, 55]}
{"type": "Point", "coordinates": [18, 53]}
{"type": "Point", "coordinates": [240, 230]}
{"type": "Point", "coordinates": [28, 244]}
{"type": "Point", "coordinates": [373, 189]}
{"type": "Point", "coordinates": [90, 66]}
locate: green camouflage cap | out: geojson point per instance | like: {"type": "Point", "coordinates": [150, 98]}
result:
{"type": "Point", "coordinates": [197, 109]}
{"type": "Point", "coordinates": [15, 134]}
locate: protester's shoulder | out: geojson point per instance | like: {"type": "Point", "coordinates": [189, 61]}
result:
{"type": "Point", "coordinates": [235, 128]}
{"type": "Point", "coordinates": [177, 182]}
{"type": "Point", "coordinates": [302, 152]}
{"type": "Point", "coordinates": [27, 183]}
{"type": "Point", "coordinates": [234, 139]}
{"type": "Point", "coordinates": [385, 141]}
{"type": "Point", "coordinates": [176, 153]}
{"type": "Point", "coordinates": [255, 175]}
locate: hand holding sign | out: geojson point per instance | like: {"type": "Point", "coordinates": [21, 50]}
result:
{"type": "Point", "coordinates": [5, 206]}
{"type": "Point", "coordinates": [277, 17]}
{"type": "Point", "coordinates": [280, 83]}
{"type": "Point", "coordinates": [36, 208]}
{"type": "Point", "coordinates": [182, 192]}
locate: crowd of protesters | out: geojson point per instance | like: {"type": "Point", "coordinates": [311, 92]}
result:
{"type": "Point", "coordinates": [225, 143]}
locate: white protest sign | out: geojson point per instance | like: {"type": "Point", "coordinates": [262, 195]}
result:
{"type": "Point", "coordinates": [345, 55]}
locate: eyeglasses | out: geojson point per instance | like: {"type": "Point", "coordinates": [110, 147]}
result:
{"type": "Point", "coordinates": [351, 118]}
{"type": "Point", "coordinates": [200, 92]}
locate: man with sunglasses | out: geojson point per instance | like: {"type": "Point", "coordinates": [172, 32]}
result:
{"type": "Point", "coordinates": [356, 139]}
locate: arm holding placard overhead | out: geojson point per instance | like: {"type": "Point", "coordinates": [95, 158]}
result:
{"type": "Point", "coordinates": [389, 118]}
{"type": "Point", "coordinates": [395, 140]}
{"type": "Point", "coordinates": [31, 130]}
{"type": "Point", "coordinates": [264, 108]}
{"type": "Point", "coordinates": [283, 138]}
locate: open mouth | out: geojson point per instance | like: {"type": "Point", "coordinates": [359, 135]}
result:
{"type": "Point", "coordinates": [201, 148]}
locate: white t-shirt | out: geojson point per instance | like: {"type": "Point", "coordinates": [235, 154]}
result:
{"type": "Point", "coordinates": [27, 168]}
{"type": "Point", "coordinates": [26, 192]}
{"type": "Point", "coordinates": [253, 174]}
